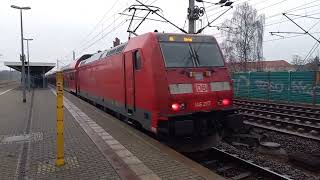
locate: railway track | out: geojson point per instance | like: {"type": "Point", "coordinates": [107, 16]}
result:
{"type": "Point", "coordinates": [7, 83]}
{"type": "Point", "coordinates": [231, 166]}
{"type": "Point", "coordinates": [303, 121]}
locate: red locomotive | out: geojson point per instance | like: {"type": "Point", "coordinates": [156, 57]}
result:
{"type": "Point", "coordinates": [174, 85]}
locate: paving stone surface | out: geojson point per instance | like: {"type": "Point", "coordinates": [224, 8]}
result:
{"type": "Point", "coordinates": [83, 159]}
{"type": "Point", "coordinates": [13, 122]}
{"type": "Point", "coordinates": [160, 163]}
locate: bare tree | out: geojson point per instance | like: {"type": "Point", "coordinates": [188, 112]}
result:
{"type": "Point", "coordinates": [229, 56]}
{"type": "Point", "coordinates": [297, 62]}
{"type": "Point", "coordinates": [312, 64]}
{"type": "Point", "coordinates": [244, 38]}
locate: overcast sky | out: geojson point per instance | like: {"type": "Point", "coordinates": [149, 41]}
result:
{"type": "Point", "coordinates": [58, 27]}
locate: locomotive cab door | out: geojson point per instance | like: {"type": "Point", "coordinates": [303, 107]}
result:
{"type": "Point", "coordinates": [77, 83]}
{"type": "Point", "coordinates": [132, 63]}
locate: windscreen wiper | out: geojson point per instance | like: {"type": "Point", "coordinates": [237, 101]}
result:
{"type": "Point", "coordinates": [192, 56]}
{"type": "Point", "coordinates": [195, 56]}
{"type": "Point", "coordinates": [186, 59]}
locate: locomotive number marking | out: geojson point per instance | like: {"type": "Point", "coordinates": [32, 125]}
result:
{"type": "Point", "coordinates": [201, 88]}
{"type": "Point", "coordinates": [202, 104]}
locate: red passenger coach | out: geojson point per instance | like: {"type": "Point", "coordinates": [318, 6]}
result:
{"type": "Point", "coordinates": [70, 74]}
{"type": "Point", "coordinates": [175, 85]}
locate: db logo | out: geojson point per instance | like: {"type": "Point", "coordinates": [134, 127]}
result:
{"type": "Point", "coordinates": [201, 88]}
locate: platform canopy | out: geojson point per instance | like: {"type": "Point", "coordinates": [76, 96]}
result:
{"type": "Point", "coordinates": [36, 68]}
{"type": "Point", "coordinates": [37, 72]}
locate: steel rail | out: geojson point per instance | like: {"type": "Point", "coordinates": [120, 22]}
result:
{"type": "Point", "coordinates": [280, 125]}
{"type": "Point", "coordinates": [278, 120]}
{"type": "Point", "coordinates": [298, 120]}
{"type": "Point", "coordinates": [295, 106]}
{"type": "Point", "coordinates": [282, 130]}
{"type": "Point", "coordinates": [286, 116]}
{"type": "Point", "coordinates": [266, 172]}
{"type": "Point", "coordinates": [293, 128]}
{"type": "Point", "coordinates": [290, 111]}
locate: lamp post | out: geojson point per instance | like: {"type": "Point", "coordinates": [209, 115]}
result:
{"type": "Point", "coordinates": [28, 61]}
{"type": "Point", "coordinates": [22, 57]}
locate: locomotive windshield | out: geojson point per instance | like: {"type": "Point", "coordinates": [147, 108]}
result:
{"type": "Point", "coordinates": [195, 54]}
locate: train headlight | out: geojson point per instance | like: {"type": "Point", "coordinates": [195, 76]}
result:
{"type": "Point", "coordinates": [180, 88]}
{"type": "Point", "coordinates": [220, 86]}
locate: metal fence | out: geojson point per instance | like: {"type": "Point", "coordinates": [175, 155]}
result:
{"type": "Point", "coordinates": [292, 87]}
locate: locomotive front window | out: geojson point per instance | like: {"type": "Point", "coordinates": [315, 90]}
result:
{"type": "Point", "coordinates": [208, 54]}
{"type": "Point", "coordinates": [191, 54]}
{"type": "Point", "coordinates": [177, 54]}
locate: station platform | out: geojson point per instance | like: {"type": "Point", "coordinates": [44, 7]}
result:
{"type": "Point", "coordinates": [97, 146]}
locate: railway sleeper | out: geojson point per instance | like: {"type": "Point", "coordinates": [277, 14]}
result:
{"type": "Point", "coordinates": [307, 161]}
{"type": "Point", "coordinates": [251, 139]}
{"type": "Point", "coordinates": [243, 175]}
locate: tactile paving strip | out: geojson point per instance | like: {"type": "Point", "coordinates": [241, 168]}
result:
{"type": "Point", "coordinates": [49, 166]}
{"type": "Point", "coordinates": [21, 138]}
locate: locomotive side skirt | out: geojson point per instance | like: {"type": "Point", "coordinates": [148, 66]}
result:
{"type": "Point", "coordinates": [140, 115]}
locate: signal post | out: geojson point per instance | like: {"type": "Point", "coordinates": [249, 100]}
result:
{"type": "Point", "coordinates": [60, 126]}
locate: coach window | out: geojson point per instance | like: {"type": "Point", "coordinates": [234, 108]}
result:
{"type": "Point", "coordinates": [137, 60]}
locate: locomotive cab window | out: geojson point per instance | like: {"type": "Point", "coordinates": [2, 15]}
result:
{"type": "Point", "coordinates": [137, 60]}
{"type": "Point", "coordinates": [196, 54]}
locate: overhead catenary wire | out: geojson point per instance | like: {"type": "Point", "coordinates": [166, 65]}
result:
{"type": "Point", "coordinates": [86, 39]}
{"type": "Point", "coordinates": [314, 47]}
{"type": "Point", "coordinates": [313, 26]}
{"type": "Point", "coordinates": [290, 10]}
{"type": "Point", "coordinates": [139, 18]}
{"type": "Point", "coordinates": [112, 21]}
{"type": "Point", "coordinates": [119, 21]}
{"type": "Point", "coordinates": [305, 16]}
{"type": "Point", "coordinates": [101, 20]}
{"type": "Point", "coordinates": [301, 34]}
{"type": "Point", "coordinates": [279, 22]}
{"type": "Point", "coordinates": [104, 35]}
{"type": "Point", "coordinates": [118, 18]}
{"type": "Point", "coordinates": [100, 35]}
{"type": "Point", "coordinates": [274, 4]}
{"type": "Point", "coordinates": [93, 43]}
{"type": "Point", "coordinates": [288, 37]}
{"type": "Point", "coordinates": [280, 14]}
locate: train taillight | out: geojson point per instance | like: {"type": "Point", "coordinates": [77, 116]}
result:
{"type": "Point", "coordinates": [177, 106]}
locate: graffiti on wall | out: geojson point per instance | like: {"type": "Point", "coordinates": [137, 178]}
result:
{"type": "Point", "coordinates": [297, 87]}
